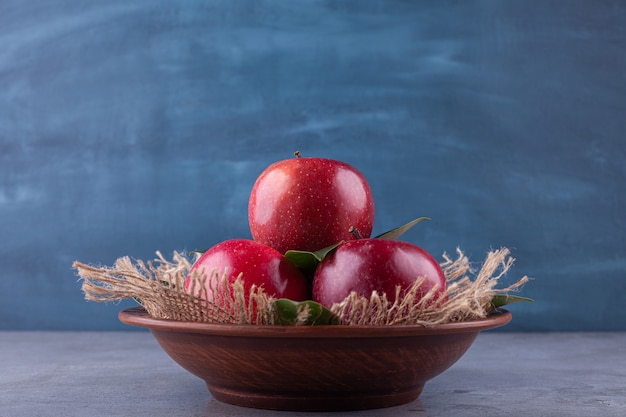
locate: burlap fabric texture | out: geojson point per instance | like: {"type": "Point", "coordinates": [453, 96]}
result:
{"type": "Point", "coordinates": [159, 286]}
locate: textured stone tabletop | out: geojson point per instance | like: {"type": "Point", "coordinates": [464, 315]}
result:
{"type": "Point", "coordinates": [127, 374]}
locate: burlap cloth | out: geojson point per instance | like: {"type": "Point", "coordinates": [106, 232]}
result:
{"type": "Point", "coordinates": [158, 285]}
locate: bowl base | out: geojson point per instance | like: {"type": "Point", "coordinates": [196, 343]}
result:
{"type": "Point", "coordinates": [312, 402]}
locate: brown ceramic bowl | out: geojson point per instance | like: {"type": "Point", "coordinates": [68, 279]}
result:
{"type": "Point", "coordinates": [314, 368]}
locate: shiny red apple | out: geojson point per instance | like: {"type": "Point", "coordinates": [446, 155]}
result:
{"type": "Point", "coordinates": [367, 265]}
{"type": "Point", "coordinates": [309, 203]}
{"type": "Point", "coordinates": [259, 265]}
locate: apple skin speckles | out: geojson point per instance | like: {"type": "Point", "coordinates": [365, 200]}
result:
{"type": "Point", "coordinates": [258, 265]}
{"type": "Point", "coordinates": [367, 265]}
{"type": "Point", "coordinates": [309, 203]}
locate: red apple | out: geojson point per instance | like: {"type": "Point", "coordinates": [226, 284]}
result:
{"type": "Point", "coordinates": [309, 203]}
{"type": "Point", "coordinates": [367, 265]}
{"type": "Point", "coordinates": [260, 265]}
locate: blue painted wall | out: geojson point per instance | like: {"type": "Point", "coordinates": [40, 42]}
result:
{"type": "Point", "coordinates": [128, 127]}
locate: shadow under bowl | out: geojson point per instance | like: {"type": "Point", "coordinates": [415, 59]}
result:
{"type": "Point", "coordinates": [314, 368]}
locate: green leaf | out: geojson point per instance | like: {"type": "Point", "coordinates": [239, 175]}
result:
{"type": "Point", "coordinates": [303, 313]}
{"type": "Point", "coordinates": [500, 300]}
{"type": "Point", "coordinates": [399, 231]}
{"type": "Point", "coordinates": [304, 259]}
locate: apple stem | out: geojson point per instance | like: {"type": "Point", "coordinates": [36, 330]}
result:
{"type": "Point", "coordinates": [355, 232]}
{"type": "Point", "coordinates": [297, 154]}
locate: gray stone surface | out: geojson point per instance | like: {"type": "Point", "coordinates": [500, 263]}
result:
{"type": "Point", "coordinates": [127, 374]}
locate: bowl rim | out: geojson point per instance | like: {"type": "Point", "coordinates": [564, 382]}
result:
{"type": "Point", "coordinates": [138, 316]}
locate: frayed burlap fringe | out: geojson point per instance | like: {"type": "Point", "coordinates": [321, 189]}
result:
{"type": "Point", "coordinates": [159, 286]}
{"type": "Point", "coordinates": [464, 299]}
